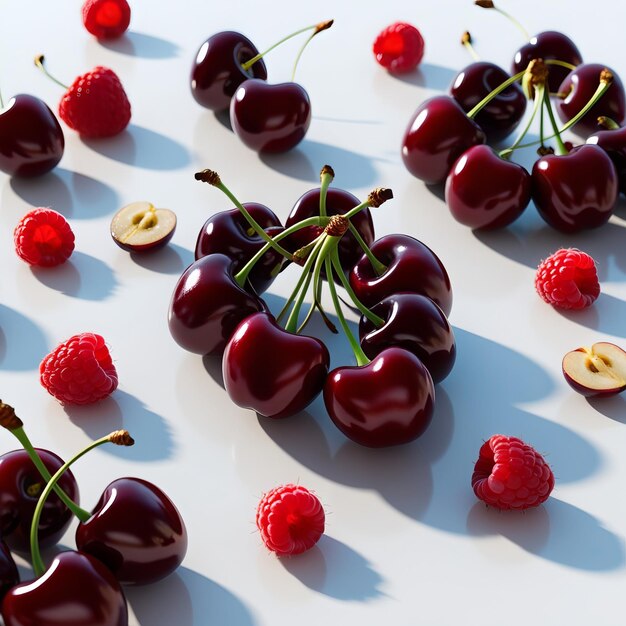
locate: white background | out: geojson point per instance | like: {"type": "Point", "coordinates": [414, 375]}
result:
{"type": "Point", "coordinates": [406, 541]}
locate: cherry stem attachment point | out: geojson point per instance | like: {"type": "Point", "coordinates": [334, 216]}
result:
{"type": "Point", "coordinates": [488, 4]}
{"type": "Point", "coordinates": [39, 62]}
{"type": "Point", "coordinates": [466, 40]}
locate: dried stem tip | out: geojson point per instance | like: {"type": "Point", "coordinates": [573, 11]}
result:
{"type": "Point", "coordinates": [8, 419]}
{"type": "Point", "coordinates": [39, 59]}
{"type": "Point", "coordinates": [379, 196]}
{"type": "Point", "coordinates": [466, 38]}
{"type": "Point", "coordinates": [484, 4]}
{"type": "Point", "coordinates": [208, 176]}
{"type": "Point", "coordinates": [543, 150]}
{"type": "Point", "coordinates": [337, 226]}
{"type": "Point", "coordinates": [327, 169]}
{"type": "Point", "coordinates": [538, 72]}
{"type": "Point", "coordinates": [606, 76]}
{"type": "Point", "coordinates": [121, 438]}
{"type": "Point", "coordinates": [323, 26]}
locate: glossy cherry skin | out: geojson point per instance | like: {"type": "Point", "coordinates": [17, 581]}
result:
{"type": "Point", "coordinates": [270, 118]}
{"type": "Point", "coordinates": [613, 142]}
{"type": "Point", "coordinates": [9, 576]}
{"type": "Point", "coordinates": [438, 133]}
{"type": "Point", "coordinates": [388, 402]}
{"type": "Point", "coordinates": [136, 531]}
{"type": "Point", "coordinates": [31, 139]}
{"type": "Point", "coordinates": [486, 191]}
{"type": "Point", "coordinates": [580, 85]}
{"type": "Point", "coordinates": [502, 115]}
{"type": "Point", "coordinates": [20, 487]}
{"type": "Point", "coordinates": [547, 45]}
{"type": "Point", "coordinates": [76, 590]}
{"type": "Point", "coordinates": [414, 323]}
{"type": "Point", "coordinates": [412, 267]}
{"type": "Point", "coordinates": [272, 371]}
{"type": "Point", "coordinates": [575, 191]}
{"type": "Point", "coordinates": [207, 305]}
{"type": "Point", "coordinates": [338, 202]}
{"type": "Point", "coordinates": [229, 233]}
{"type": "Point", "coordinates": [217, 69]}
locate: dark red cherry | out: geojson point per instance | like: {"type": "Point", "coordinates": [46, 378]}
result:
{"type": "Point", "coordinates": [207, 305]}
{"type": "Point", "coordinates": [338, 202]}
{"type": "Point", "coordinates": [575, 191]}
{"type": "Point", "coordinates": [136, 531]}
{"type": "Point", "coordinates": [548, 45]}
{"type": "Point", "coordinates": [9, 575]}
{"type": "Point", "coordinates": [502, 115]}
{"type": "Point", "coordinates": [229, 233]}
{"type": "Point", "coordinates": [412, 267]}
{"type": "Point", "coordinates": [271, 371]}
{"type": "Point", "coordinates": [415, 323]}
{"type": "Point", "coordinates": [438, 133]}
{"type": "Point", "coordinates": [486, 191]}
{"type": "Point", "coordinates": [613, 142]}
{"type": "Point", "coordinates": [31, 139]}
{"type": "Point", "coordinates": [580, 85]}
{"type": "Point", "coordinates": [217, 69]}
{"type": "Point", "coordinates": [20, 487]}
{"type": "Point", "coordinates": [270, 118]}
{"type": "Point", "coordinates": [76, 590]}
{"type": "Point", "coordinates": [388, 402]}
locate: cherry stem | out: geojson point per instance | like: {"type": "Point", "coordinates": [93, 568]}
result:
{"type": "Point", "coordinates": [326, 177]}
{"type": "Point", "coordinates": [538, 106]}
{"type": "Point", "coordinates": [379, 268]}
{"type": "Point", "coordinates": [494, 94]}
{"type": "Point", "coordinates": [118, 437]}
{"type": "Point", "coordinates": [39, 62]}
{"type": "Point", "coordinates": [466, 40]}
{"type": "Point", "coordinates": [560, 146]}
{"type": "Point", "coordinates": [608, 123]}
{"type": "Point", "coordinates": [320, 27]}
{"type": "Point", "coordinates": [565, 64]}
{"type": "Point", "coordinates": [317, 304]}
{"type": "Point", "coordinates": [213, 178]}
{"type": "Point", "coordinates": [488, 4]}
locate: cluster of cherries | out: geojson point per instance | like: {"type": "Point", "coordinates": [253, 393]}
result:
{"type": "Point", "coordinates": [133, 536]}
{"type": "Point", "coordinates": [396, 282]}
{"type": "Point", "coordinates": [573, 187]}
{"type": "Point", "coordinates": [229, 74]}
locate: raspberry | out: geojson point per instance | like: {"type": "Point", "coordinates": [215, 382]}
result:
{"type": "Point", "coordinates": [96, 104]}
{"type": "Point", "coordinates": [106, 19]}
{"type": "Point", "coordinates": [399, 47]}
{"type": "Point", "coordinates": [509, 474]}
{"type": "Point", "coordinates": [79, 371]}
{"type": "Point", "coordinates": [290, 518]}
{"type": "Point", "coordinates": [44, 238]}
{"type": "Point", "coordinates": [568, 279]}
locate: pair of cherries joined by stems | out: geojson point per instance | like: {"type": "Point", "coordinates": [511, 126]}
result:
{"type": "Point", "coordinates": [397, 283]}
{"type": "Point", "coordinates": [229, 73]}
{"type": "Point", "coordinates": [134, 536]}
{"type": "Point", "coordinates": [573, 190]}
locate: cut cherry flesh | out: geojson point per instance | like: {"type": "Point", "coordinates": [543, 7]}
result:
{"type": "Point", "coordinates": [139, 227]}
{"type": "Point", "coordinates": [596, 371]}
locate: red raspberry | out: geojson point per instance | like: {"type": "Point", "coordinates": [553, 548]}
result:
{"type": "Point", "coordinates": [79, 371]}
{"type": "Point", "coordinates": [399, 48]}
{"type": "Point", "coordinates": [509, 474]}
{"type": "Point", "coordinates": [106, 19]}
{"type": "Point", "coordinates": [568, 279]}
{"type": "Point", "coordinates": [291, 519]}
{"type": "Point", "coordinates": [96, 104]}
{"type": "Point", "coordinates": [44, 238]}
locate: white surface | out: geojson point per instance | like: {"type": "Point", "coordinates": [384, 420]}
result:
{"type": "Point", "coordinates": [406, 540]}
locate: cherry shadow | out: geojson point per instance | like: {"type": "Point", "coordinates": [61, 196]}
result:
{"type": "Point", "coordinates": [334, 569]}
{"type": "Point", "coordinates": [613, 407]}
{"type": "Point", "coordinates": [171, 259]}
{"type": "Point", "coordinates": [429, 75]}
{"type": "Point", "coordinates": [223, 117]}
{"type": "Point", "coordinates": [142, 45]}
{"type": "Point", "coordinates": [22, 343]}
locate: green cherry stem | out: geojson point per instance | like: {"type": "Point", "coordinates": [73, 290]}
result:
{"type": "Point", "coordinates": [496, 92]}
{"type": "Point", "coordinates": [379, 268]}
{"type": "Point", "coordinates": [319, 28]}
{"type": "Point", "coordinates": [326, 177]}
{"type": "Point", "coordinates": [560, 146]}
{"type": "Point", "coordinates": [466, 40]}
{"type": "Point", "coordinates": [118, 437]}
{"type": "Point", "coordinates": [213, 178]}
{"type": "Point", "coordinates": [488, 4]}
{"type": "Point", "coordinates": [537, 106]}
{"type": "Point", "coordinates": [565, 64]}
{"type": "Point", "coordinates": [607, 123]}
{"type": "Point", "coordinates": [12, 423]}
{"type": "Point", "coordinates": [39, 62]}
{"type": "Point", "coordinates": [376, 197]}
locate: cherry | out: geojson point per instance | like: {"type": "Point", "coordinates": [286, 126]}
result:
{"type": "Point", "coordinates": [229, 233]}
{"type": "Point", "coordinates": [136, 531]}
{"type": "Point", "coordinates": [411, 266]}
{"type": "Point", "coordinates": [486, 191]}
{"type": "Point", "coordinates": [438, 133]}
{"type": "Point", "coordinates": [502, 115]}
{"type": "Point", "coordinates": [31, 139]}
{"type": "Point", "coordinates": [548, 45]}
{"type": "Point", "coordinates": [613, 142]}
{"type": "Point", "coordinates": [388, 402]}
{"type": "Point", "coordinates": [76, 590]}
{"type": "Point", "coordinates": [20, 486]}
{"type": "Point", "coordinates": [287, 382]}
{"type": "Point", "coordinates": [575, 191]}
{"type": "Point", "coordinates": [9, 575]}
{"type": "Point", "coordinates": [415, 323]}
{"type": "Point", "coordinates": [338, 202]}
{"type": "Point", "coordinates": [217, 69]}
{"type": "Point", "coordinates": [270, 118]}
{"type": "Point", "coordinates": [208, 304]}
{"type": "Point", "coordinates": [579, 87]}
